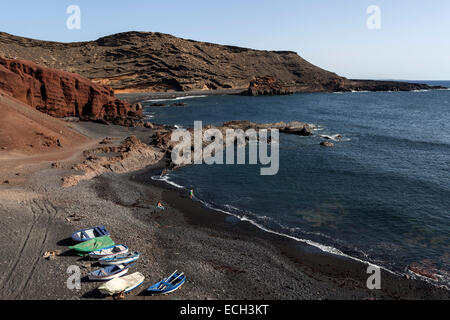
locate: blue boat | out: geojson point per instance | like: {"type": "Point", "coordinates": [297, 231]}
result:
{"type": "Point", "coordinates": [109, 272]}
{"type": "Point", "coordinates": [169, 284]}
{"type": "Point", "coordinates": [90, 233]}
{"type": "Point", "coordinates": [125, 258]}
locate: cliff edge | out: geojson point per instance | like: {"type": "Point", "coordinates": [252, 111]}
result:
{"type": "Point", "coordinates": [63, 94]}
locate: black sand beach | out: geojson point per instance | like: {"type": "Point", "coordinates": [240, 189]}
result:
{"type": "Point", "coordinates": [222, 257]}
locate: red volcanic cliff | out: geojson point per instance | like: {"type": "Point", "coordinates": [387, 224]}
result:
{"type": "Point", "coordinates": [63, 94]}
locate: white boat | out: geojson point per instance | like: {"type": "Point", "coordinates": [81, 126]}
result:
{"type": "Point", "coordinates": [109, 251]}
{"type": "Point", "coordinates": [109, 272]}
{"type": "Point", "coordinates": [123, 284]}
{"type": "Point", "coordinates": [89, 233]}
{"type": "Point", "coordinates": [120, 259]}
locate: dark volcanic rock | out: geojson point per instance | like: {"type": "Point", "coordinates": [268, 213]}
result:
{"type": "Point", "coordinates": [374, 85]}
{"type": "Point", "coordinates": [154, 62]}
{"type": "Point", "coordinates": [300, 130]}
{"type": "Point", "coordinates": [63, 94]}
{"type": "Point", "coordinates": [157, 105]}
{"type": "Point", "coordinates": [327, 144]}
{"type": "Point", "coordinates": [294, 127]}
{"type": "Point", "coordinates": [268, 86]}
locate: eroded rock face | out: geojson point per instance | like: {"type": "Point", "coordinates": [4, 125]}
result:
{"type": "Point", "coordinates": [133, 155]}
{"type": "Point", "coordinates": [268, 86]}
{"type": "Point", "coordinates": [63, 94]}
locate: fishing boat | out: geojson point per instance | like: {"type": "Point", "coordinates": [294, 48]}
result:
{"type": "Point", "coordinates": [109, 251]}
{"type": "Point", "coordinates": [109, 272]}
{"type": "Point", "coordinates": [123, 284]}
{"type": "Point", "coordinates": [120, 259]}
{"type": "Point", "coordinates": [169, 284]}
{"type": "Point", "coordinates": [92, 245]}
{"type": "Point", "coordinates": [89, 233]}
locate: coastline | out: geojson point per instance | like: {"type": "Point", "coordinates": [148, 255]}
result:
{"type": "Point", "coordinates": [139, 97]}
{"type": "Point", "coordinates": [223, 257]}
{"type": "Point", "coordinates": [309, 257]}
{"type": "Point", "coordinates": [144, 96]}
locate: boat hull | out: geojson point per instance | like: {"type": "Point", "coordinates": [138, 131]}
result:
{"type": "Point", "coordinates": [164, 287]}
{"type": "Point", "coordinates": [122, 285]}
{"type": "Point", "coordinates": [89, 234]}
{"type": "Point", "coordinates": [93, 244]}
{"type": "Point", "coordinates": [108, 252]}
{"type": "Point", "coordinates": [120, 259]}
{"type": "Point", "coordinates": [94, 277]}
{"type": "Point", "coordinates": [117, 262]}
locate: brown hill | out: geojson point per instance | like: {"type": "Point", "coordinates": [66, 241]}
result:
{"type": "Point", "coordinates": [63, 94]}
{"type": "Point", "coordinates": [27, 131]}
{"type": "Point", "coordinates": [146, 61]}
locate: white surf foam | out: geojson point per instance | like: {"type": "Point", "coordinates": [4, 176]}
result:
{"type": "Point", "coordinates": [167, 180]}
{"type": "Point", "coordinates": [175, 99]}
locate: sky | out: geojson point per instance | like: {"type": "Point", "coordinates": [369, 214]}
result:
{"type": "Point", "coordinates": [412, 43]}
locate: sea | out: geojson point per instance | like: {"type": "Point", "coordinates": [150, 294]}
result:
{"type": "Point", "coordinates": [381, 194]}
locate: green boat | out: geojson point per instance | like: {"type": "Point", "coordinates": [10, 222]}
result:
{"type": "Point", "coordinates": [93, 244]}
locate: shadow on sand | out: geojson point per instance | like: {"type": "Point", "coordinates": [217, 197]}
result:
{"type": "Point", "coordinates": [66, 242]}
{"type": "Point", "coordinates": [94, 294]}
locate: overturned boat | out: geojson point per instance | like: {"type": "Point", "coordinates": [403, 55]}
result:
{"type": "Point", "coordinates": [123, 284]}
{"type": "Point", "coordinates": [93, 245]}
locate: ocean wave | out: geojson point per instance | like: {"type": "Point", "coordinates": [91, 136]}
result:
{"type": "Point", "coordinates": [149, 115]}
{"type": "Point", "coordinates": [167, 180]}
{"type": "Point", "coordinates": [318, 128]}
{"type": "Point", "coordinates": [175, 99]}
